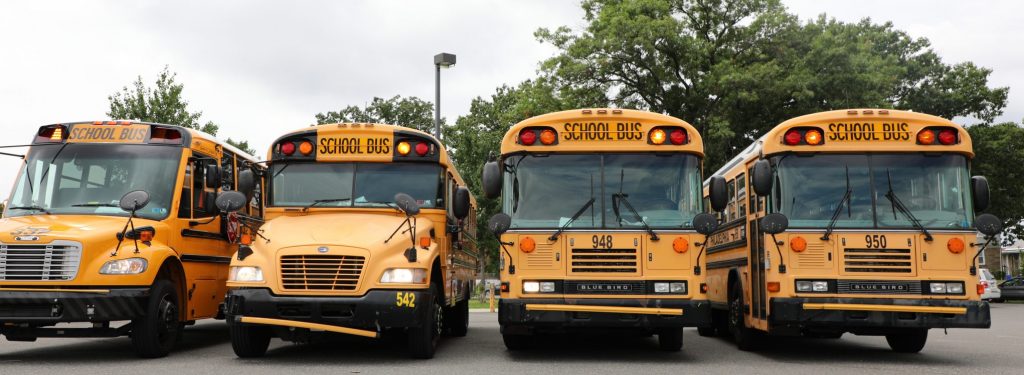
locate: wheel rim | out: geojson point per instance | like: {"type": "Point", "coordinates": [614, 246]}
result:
{"type": "Point", "coordinates": [438, 316]}
{"type": "Point", "coordinates": [735, 314]}
{"type": "Point", "coordinates": [168, 323]}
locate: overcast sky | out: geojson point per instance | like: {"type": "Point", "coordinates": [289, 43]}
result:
{"type": "Point", "coordinates": [261, 68]}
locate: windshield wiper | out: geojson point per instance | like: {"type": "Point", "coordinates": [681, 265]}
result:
{"type": "Point", "coordinates": [319, 201]}
{"type": "Point", "coordinates": [896, 204]}
{"type": "Point", "coordinates": [94, 205]}
{"type": "Point", "coordinates": [574, 217]}
{"type": "Point", "coordinates": [616, 198]}
{"type": "Point", "coordinates": [35, 208]}
{"type": "Point", "coordinates": [839, 208]}
{"type": "Point", "coordinates": [621, 197]}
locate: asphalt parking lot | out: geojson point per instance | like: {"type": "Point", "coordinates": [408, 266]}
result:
{"type": "Point", "coordinates": [206, 349]}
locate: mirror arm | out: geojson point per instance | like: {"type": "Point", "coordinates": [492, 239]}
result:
{"type": "Point", "coordinates": [703, 245]}
{"type": "Point", "coordinates": [974, 261]}
{"type": "Point", "coordinates": [782, 264]}
{"type": "Point", "coordinates": [193, 223]}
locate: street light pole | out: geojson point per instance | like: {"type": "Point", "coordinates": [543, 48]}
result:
{"type": "Point", "coordinates": [441, 60]}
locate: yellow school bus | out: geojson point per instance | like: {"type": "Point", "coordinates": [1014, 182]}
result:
{"type": "Point", "coordinates": [369, 228]}
{"type": "Point", "coordinates": [113, 223]}
{"type": "Point", "coordinates": [859, 221]}
{"type": "Point", "coordinates": [598, 229]}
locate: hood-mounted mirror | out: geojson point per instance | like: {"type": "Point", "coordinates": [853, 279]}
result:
{"type": "Point", "coordinates": [410, 208]}
{"type": "Point", "coordinates": [230, 201]}
{"type": "Point", "coordinates": [990, 226]}
{"type": "Point", "coordinates": [131, 202]}
{"type": "Point", "coordinates": [775, 223]}
{"type": "Point", "coordinates": [498, 225]}
{"type": "Point", "coordinates": [704, 223]}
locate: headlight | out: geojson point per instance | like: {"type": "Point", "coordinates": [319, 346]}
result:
{"type": "Point", "coordinates": [531, 287]}
{"type": "Point", "coordinates": [246, 274]}
{"type": "Point", "coordinates": [670, 287]}
{"type": "Point", "coordinates": [404, 276]}
{"type": "Point", "coordinates": [808, 286]}
{"type": "Point", "coordinates": [547, 287]}
{"type": "Point", "coordinates": [130, 266]}
{"type": "Point", "coordinates": [946, 287]}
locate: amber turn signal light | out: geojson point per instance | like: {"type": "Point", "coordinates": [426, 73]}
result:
{"type": "Point", "coordinates": [798, 244]}
{"type": "Point", "coordinates": [527, 245]}
{"type": "Point", "coordinates": [424, 242]}
{"type": "Point", "coordinates": [926, 137]}
{"type": "Point", "coordinates": [981, 289]}
{"type": "Point", "coordinates": [404, 148]}
{"type": "Point", "coordinates": [774, 286]}
{"type": "Point", "coordinates": [146, 235]}
{"type": "Point", "coordinates": [680, 245]}
{"type": "Point", "coordinates": [657, 136]}
{"type": "Point", "coordinates": [955, 245]}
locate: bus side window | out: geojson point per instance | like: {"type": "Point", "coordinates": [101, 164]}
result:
{"type": "Point", "coordinates": [227, 171]}
{"type": "Point", "coordinates": [741, 195]}
{"type": "Point", "coordinates": [730, 208]}
{"type": "Point", "coordinates": [196, 201]}
{"type": "Point", "coordinates": [185, 205]}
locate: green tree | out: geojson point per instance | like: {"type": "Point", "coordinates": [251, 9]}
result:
{"type": "Point", "coordinates": [476, 136]}
{"type": "Point", "coordinates": [241, 145]}
{"type": "Point", "coordinates": [735, 69]}
{"type": "Point", "coordinates": [410, 112]}
{"type": "Point", "coordinates": [163, 103]}
{"type": "Point", "coordinates": [999, 155]}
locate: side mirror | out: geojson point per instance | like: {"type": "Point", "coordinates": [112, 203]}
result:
{"type": "Point", "coordinates": [717, 193]}
{"type": "Point", "coordinates": [246, 182]}
{"type": "Point", "coordinates": [461, 203]}
{"type": "Point", "coordinates": [407, 204]}
{"type": "Point", "coordinates": [979, 188]}
{"type": "Point", "coordinates": [499, 223]}
{"type": "Point", "coordinates": [774, 223]}
{"type": "Point", "coordinates": [761, 178]}
{"type": "Point", "coordinates": [491, 179]}
{"type": "Point", "coordinates": [230, 201]}
{"type": "Point", "coordinates": [988, 224]}
{"type": "Point", "coordinates": [705, 223]}
{"type": "Point", "coordinates": [212, 173]}
{"type": "Point", "coordinates": [134, 200]}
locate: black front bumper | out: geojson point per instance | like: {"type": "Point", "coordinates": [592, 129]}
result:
{"type": "Point", "coordinates": [48, 307]}
{"type": "Point", "coordinates": [515, 318]}
{"type": "Point", "coordinates": [790, 313]}
{"type": "Point", "coordinates": [376, 309]}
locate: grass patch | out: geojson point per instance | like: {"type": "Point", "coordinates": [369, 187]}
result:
{"type": "Point", "coordinates": [476, 304]}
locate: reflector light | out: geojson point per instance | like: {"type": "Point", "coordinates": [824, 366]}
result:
{"type": "Point", "coordinates": [947, 137]}
{"type": "Point", "coordinates": [287, 148]}
{"type": "Point", "coordinates": [547, 136]}
{"type": "Point", "coordinates": [527, 137]}
{"type": "Point", "coordinates": [981, 289]}
{"type": "Point", "coordinates": [792, 138]}
{"type": "Point", "coordinates": [813, 137]}
{"type": "Point", "coordinates": [527, 245]}
{"type": "Point", "coordinates": [955, 245]}
{"type": "Point", "coordinates": [680, 245]}
{"type": "Point", "coordinates": [677, 137]}
{"type": "Point", "coordinates": [146, 236]}
{"type": "Point", "coordinates": [403, 148]}
{"type": "Point", "coordinates": [422, 148]}
{"type": "Point", "coordinates": [657, 136]}
{"type": "Point", "coordinates": [306, 148]}
{"type": "Point", "coordinates": [798, 244]}
{"type": "Point", "coordinates": [926, 137]}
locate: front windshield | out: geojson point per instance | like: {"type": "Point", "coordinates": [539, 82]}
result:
{"type": "Point", "coordinates": [934, 187]}
{"type": "Point", "coordinates": [371, 184]}
{"type": "Point", "coordinates": [82, 178]}
{"type": "Point", "coordinates": [545, 191]}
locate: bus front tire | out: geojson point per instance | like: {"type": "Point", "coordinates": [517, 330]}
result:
{"type": "Point", "coordinates": [746, 339]}
{"type": "Point", "coordinates": [670, 339]}
{"type": "Point", "coordinates": [457, 319]}
{"type": "Point", "coordinates": [907, 342]}
{"type": "Point", "coordinates": [155, 333]}
{"type": "Point", "coordinates": [249, 341]}
{"type": "Point", "coordinates": [423, 339]}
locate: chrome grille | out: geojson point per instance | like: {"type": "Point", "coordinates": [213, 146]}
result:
{"type": "Point", "coordinates": [878, 260]}
{"type": "Point", "coordinates": [57, 261]}
{"type": "Point", "coordinates": [604, 260]}
{"type": "Point", "coordinates": [878, 287]}
{"type": "Point", "coordinates": [321, 272]}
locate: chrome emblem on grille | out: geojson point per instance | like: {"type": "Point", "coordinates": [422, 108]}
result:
{"type": "Point", "coordinates": [322, 249]}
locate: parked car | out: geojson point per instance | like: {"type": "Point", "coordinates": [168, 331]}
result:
{"type": "Point", "coordinates": [1012, 289]}
{"type": "Point", "coordinates": [992, 291]}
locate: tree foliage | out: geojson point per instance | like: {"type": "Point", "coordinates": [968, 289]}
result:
{"type": "Point", "coordinates": [163, 103]}
{"type": "Point", "coordinates": [999, 155]}
{"type": "Point", "coordinates": [735, 69]}
{"type": "Point", "coordinates": [410, 112]}
{"type": "Point", "coordinates": [241, 145]}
